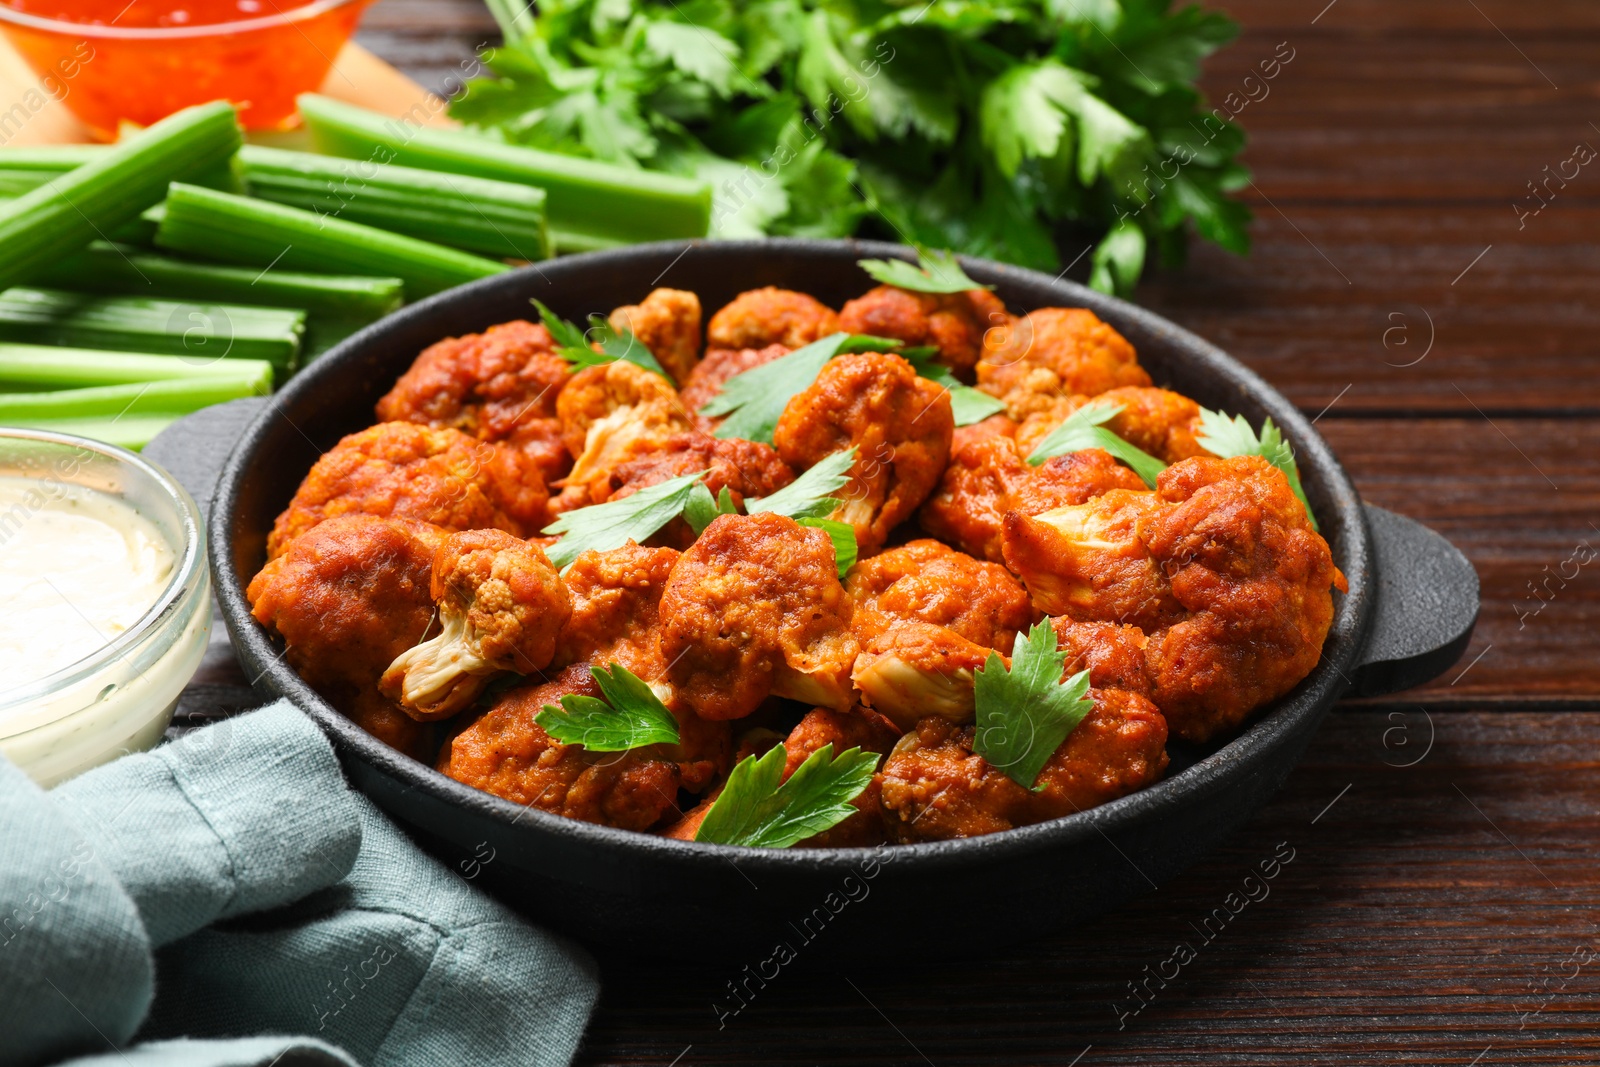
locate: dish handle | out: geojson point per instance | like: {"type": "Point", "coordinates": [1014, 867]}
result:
{"type": "Point", "coordinates": [1426, 604]}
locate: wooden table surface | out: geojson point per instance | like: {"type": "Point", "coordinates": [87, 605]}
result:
{"type": "Point", "coordinates": [1441, 906]}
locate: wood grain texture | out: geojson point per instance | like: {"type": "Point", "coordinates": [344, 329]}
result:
{"type": "Point", "coordinates": [1422, 912]}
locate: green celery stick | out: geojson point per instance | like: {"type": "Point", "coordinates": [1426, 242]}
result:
{"type": "Point", "coordinates": [492, 218]}
{"type": "Point", "coordinates": [76, 207]}
{"type": "Point", "coordinates": [256, 233]}
{"type": "Point", "coordinates": [139, 324]}
{"type": "Point", "coordinates": [589, 204]}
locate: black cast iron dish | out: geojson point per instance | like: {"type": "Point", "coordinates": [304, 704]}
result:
{"type": "Point", "coordinates": [1412, 603]}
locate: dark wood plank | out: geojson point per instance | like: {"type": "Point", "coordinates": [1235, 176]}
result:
{"type": "Point", "coordinates": [1422, 909]}
{"type": "Point", "coordinates": [1482, 484]}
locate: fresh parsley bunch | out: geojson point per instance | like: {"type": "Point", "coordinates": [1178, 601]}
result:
{"type": "Point", "coordinates": [990, 126]}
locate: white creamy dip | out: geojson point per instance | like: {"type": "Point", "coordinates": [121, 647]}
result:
{"type": "Point", "coordinates": [78, 567]}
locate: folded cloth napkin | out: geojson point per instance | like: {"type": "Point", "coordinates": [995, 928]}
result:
{"type": "Point", "coordinates": [230, 887]}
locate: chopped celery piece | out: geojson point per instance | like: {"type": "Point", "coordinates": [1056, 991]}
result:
{"type": "Point", "coordinates": [138, 324]}
{"type": "Point", "coordinates": [588, 203]}
{"type": "Point", "coordinates": [237, 229]}
{"type": "Point", "coordinates": [74, 208]}
{"type": "Point", "coordinates": [492, 218]}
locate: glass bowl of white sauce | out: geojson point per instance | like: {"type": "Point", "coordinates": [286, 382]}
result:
{"type": "Point", "coordinates": [105, 601]}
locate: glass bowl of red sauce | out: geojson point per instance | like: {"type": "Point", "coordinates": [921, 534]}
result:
{"type": "Point", "coordinates": [116, 61]}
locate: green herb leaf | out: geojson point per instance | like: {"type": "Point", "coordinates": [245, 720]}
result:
{"type": "Point", "coordinates": [613, 524]}
{"type": "Point", "coordinates": [754, 400]}
{"type": "Point", "coordinates": [629, 716]}
{"type": "Point", "coordinates": [576, 347]}
{"type": "Point", "coordinates": [1233, 437]}
{"type": "Point", "coordinates": [809, 496]}
{"type": "Point", "coordinates": [1118, 260]}
{"type": "Point", "coordinates": [564, 333]}
{"type": "Point", "coordinates": [969, 405]}
{"type": "Point", "coordinates": [862, 342]}
{"type": "Point", "coordinates": [939, 273]}
{"type": "Point", "coordinates": [1083, 430]}
{"type": "Point", "coordinates": [843, 536]}
{"type": "Point", "coordinates": [1026, 712]}
{"type": "Point", "coordinates": [701, 510]}
{"type": "Point", "coordinates": [758, 809]}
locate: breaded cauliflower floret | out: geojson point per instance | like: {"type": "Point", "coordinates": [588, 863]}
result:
{"type": "Point", "coordinates": [1090, 561]}
{"type": "Point", "coordinates": [954, 323]}
{"type": "Point", "coordinates": [615, 609]}
{"type": "Point", "coordinates": [987, 477]}
{"type": "Point", "coordinates": [1055, 353]}
{"type": "Point", "coordinates": [927, 618]}
{"type": "Point", "coordinates": [753, 608]}
{"type": "Point", "coordinates": [1218, 569]}
{"type": "Point", "coordinates": [667, 322]}
{"type": "Point", "coordinates": [900, 425]}
{"type": "Point", "coordinates": [348, 597]}
{"type": "Point", "coordinates": [499, 385]}
{"type": "Point", "coordinates": [771, 316]}
{"type": "Point", "coordinates": [934, 787]}
{"type": "Point", "coordinates": [506, 752]}
{"type": "Point", "coordinates": [501, 605]}
{"type": "Point", "coordinates": [404, 470]}
{"type": "Point", "coordinates": [611, 412]}
{"type": "Point", "coordinates": [1112, 653]}
{"type": "Point", "coordinates": [1242, 557]}
{"type": "Point", "coordinates": [1157, 421]}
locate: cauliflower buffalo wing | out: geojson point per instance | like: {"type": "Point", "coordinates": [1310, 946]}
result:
{"type": "Point", "coordinates": [1157, 421]}
{"type": "Point", "coordinates": [404, 470]}
{"type": "Point", "coordinates": [501, 605]}
{"type": "Point", "coordinates": [507, 753]}
{"type": "Point", "coordinates": [927, 617]}
{"type": "Point", "coordinates": [667, 322]}
{"type": "Point", "coordinates": [988, 477]}
{"type": "Point", "coordinates": [348, 597]}
{"type": "Point", "coordinates": [1055, 353]}
{"type": "Point", "coordinates": [753, 608]}
{"type": "Point", "coordinates": [1218, 568]}
{"type": "Point", "coordinates": [954, 323]}
{"type": "Point", "coordinates": [900, 425]}
{"type": "Point", "coordinates": [616, 597]}
{"type": "Point", "coordinates": [609, 413]}
{"type": "Point", "coordinates": [934, 787]}
{"type": "Point", "coordinates": [770, 316]}
{"type": "Point", "coordinates": [499, 385]}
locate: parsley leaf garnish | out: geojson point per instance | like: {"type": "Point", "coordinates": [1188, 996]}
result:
{"type": "Point", "coordinates": [754, 400]}
{"type": "Point", "coordinates": [969, 405]}
{"type": "Point", "coordinates": [939, 273]}
{"type": "Point", "coordinates": [758, 809]}
{"type": "Point", "coordinates": [574, 346]}
{"type": "Point", "coordinates": [629, 716]}
{"type": "Point", "coordinates": [843, 536]}
{"type": "Point", "coordinates": [1083, 430]}
{"type": "Point", "coordinates": [1026, 712]}
{"type": "Point", "coordinates": [1233, 437]}
{"type": "Point", "coordinates": [613, 524]}
{"type": "Point", "coordinates": [701, 510]}
{"type": "Point", "coordinates": [809, 496]}
{"type": "Point", "coordinates": [864, 342]}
